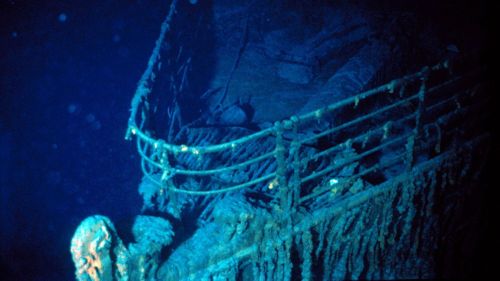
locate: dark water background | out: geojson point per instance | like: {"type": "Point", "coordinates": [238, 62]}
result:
{"type": "Point", "coordinates": [68, 71]}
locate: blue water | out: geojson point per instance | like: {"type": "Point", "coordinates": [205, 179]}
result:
{"type": "Point", "coordinates": [68, 71]}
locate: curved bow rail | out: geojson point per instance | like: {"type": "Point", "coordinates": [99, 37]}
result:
{"type": "Point", "coordinates": [324, 163]}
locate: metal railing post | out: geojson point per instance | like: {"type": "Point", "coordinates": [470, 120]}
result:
{"type": "Point", "coordinates": [295, 152]}
{"type": "Point", "coordinates": [421, 102]}
{"type": "Point", "coordinates": [413, 138]}
{"type": "Point", "coordinates": [281, 169]}
{"type": "Point", "coordinates": [166, 180]}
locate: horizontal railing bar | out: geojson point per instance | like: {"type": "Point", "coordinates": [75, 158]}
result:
{"type": "Point", "coordinates": [388, 86]}
{"type": "Point", "coordinates": [204, 172]}
{"type": "Point", "coordinates": [447, 100]}
{"type": "Point", "coordinates": [360, 119]}
{"type": "Point", "coordinates": [357, 157]}
{"type": "Point", "coordinates": [452, 81]}
{"type": "Point", "coordinates": [213, 192]}
{"type": "Point", "coordinates": [446, 117]}
{"type": "Point", "coordinates": [223, 169]}
{"type": "Point", "coordinates": [392, 161]}
{"type": "Point", "coordinates": [226, 189]}
{"type": "Point", "coordinates": [357, 138]}
{"type": "Point", "coordinates": [398, 158]}
{"type": "Point", "coordinates": [322, 190]}
{"type": "Point", "coordinates": [174, 148]}
{"type": "Point", "coordinates": [386, 108]}
{"type": "Point", "coordinates": [442, 118]}
{"type": "Point", "coordinates": [372, 131]}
